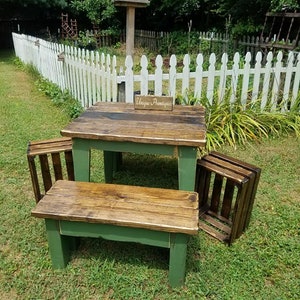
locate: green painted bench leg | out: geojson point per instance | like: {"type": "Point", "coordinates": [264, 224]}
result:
{"type": "Point", "coordinates": [60, 246]}
{"type": "Point", "coordinates": [177, 261]}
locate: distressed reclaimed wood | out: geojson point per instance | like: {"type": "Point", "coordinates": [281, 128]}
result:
{"type": "Point", "coordinates": [151, 216]}
{"type": "Point", "coordinates": [122, 205]}
{"type": "Point", "coordinates": [51, 166]}
{"type": "Point", "coordinates": [229, 198]}
{"type": "Point", "coordinates": [54, 145]}
{"type": "Point", "coordinates": [183, 126]}
{"type": "Point", "coordinates": [251, 171]}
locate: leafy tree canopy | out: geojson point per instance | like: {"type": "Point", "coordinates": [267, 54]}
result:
{"type": "Point", "coordinates": [29, 8]}
{"type": "Point", "coordinates": [97, 11]}
{"type": "Point", "coordinates": [26, 3]}
{"type": "Point", "coordinates": [285, 5]}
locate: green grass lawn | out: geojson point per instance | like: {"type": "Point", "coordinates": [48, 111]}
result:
{"type": "Point", "coordinates": [263, 264]}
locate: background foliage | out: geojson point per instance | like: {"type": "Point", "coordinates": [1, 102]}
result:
{"type": "Point", "coordinates": [237, 17]}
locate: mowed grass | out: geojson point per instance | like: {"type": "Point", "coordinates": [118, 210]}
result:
{"type": "Point", "coordinates": [262, 264]}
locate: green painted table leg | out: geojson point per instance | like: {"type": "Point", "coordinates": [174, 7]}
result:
{"type": "Point", "coordinates": [81, 158]}
{"type": "Point", "coordinates": [112, 163]}
{"type": "Point", "coordinates": [178, 249]}
{"type": "Point", "coordinates": [187, 161]}
{"type": "Point", "coordinates": [59, 246]}
{"type": "Point", "coordinates": [109, 162]}
{"type": "Point", "coordinates": [118, 161]}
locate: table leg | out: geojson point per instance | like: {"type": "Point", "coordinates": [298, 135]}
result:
{"type": "Point", "coordinates": [178, 249]}
{"type": "Point", "coordinates": [59, 246]}
{"type": "Point", "coordinates": [112, 163]}
{"type": "Point", "coordinates": [187, 161]}
{"type": "Point", "coordinates": [109, 159]}
{"type": "Point", "coordinates": [81, 158]}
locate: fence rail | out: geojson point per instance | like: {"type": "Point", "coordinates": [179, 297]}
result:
{"type": "Point", "coordinates": [91, 76]}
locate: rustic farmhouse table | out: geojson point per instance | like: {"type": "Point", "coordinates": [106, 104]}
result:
{"type": "Point", "coordinates": [119, 127]}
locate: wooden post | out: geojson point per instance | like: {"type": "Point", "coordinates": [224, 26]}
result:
{"type": "Point", "coordinates": [130, 19]}
{"type": "Point", "coordinates": [130, 30]}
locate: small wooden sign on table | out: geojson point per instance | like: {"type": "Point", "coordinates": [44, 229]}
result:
{"type": "Point", "coordinates": [150, 102]}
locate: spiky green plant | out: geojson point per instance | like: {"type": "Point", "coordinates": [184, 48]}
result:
{"type": "Point", "coordinates": [233, 124]}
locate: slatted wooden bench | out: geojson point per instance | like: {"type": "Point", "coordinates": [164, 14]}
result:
{"type": "Point", "coordinates": [151, 216]}
{"type": "Point", "coordinates": [227, 189]}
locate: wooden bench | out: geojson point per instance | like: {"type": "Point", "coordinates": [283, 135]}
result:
{"type": "Point", "coordinates": [151, 216]}
{"type": "Point", "coordinates": [227, 189]}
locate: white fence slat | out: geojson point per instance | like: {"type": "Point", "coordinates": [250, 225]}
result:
{"type": "Point", "coordinates": [158, 83]}
{"type": "Point", "coordinates": [266, 82]}
{"type": "Point", "coordinates": [144, 76]}
{"type": "Point", "coordinates": [199, 76]}
{"type": "Point", "coordinates": [235, 77]}
{"type": "Point", "coordinates": [108, 78]}
{"type": "Point", "coordinates": [246, 77]}
{"type": "Point", "coordinates": [114, 86]}
{"type": "Point", "coordinates": [296, 81]}
{"type": "Point", "coordinates": [98, 77]}
{"type": "Point", "coordinates": [257, 75]}
{"type": "Point", "coordinates": [287, 81]}
{"type": "Point", "coordinates": [211, 78]}
{"type": "Point", "coordinates": [173, 76]}
{"type": "Point", "coordinates": [276, 81]}
{"type": "Point", "coordinates": [186, 74]}
{"type": "Point", "coordinates": [88, 78]}
{"type": "Point", "coordinates": [103, 78]}
{"type": "Point", "coordinates": [92, 77]}
{"type": "Point", "coordinates": [129, 79]}
{"type": "Point", "coordinates": [222, 84]}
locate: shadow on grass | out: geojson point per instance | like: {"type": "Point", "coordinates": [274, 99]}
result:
{"type": "Point", "coordinates": [136, 171]}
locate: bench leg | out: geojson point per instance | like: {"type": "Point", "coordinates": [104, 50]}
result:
{"type": "Point", "coordinates": [177, 261]}
{"type": "Point", "coordinates": [60, 246]}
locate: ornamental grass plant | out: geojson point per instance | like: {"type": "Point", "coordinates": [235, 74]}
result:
{"type": "Point", "coordinates": [234, 124]}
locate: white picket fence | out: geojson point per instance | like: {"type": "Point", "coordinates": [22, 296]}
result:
{"type": "Point", "coordinates": [92, 77]}
{"type": "Point", "coordinates": [88, 76]}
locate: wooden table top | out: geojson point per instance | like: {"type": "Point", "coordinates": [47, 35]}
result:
{"type": "Point", "coordinates": [111, 121]}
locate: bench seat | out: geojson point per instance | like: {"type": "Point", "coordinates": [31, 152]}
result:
{"type": "Point", "coordinates": [153, 216]}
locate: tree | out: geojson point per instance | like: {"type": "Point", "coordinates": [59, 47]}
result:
{"type": "Point", "coordinates": [35, 3]}
{"type": "Point", "coordinates": [97, 11]}
{"type": "Point", "coordinates": [285, 5]}
{"type": "Point", "coordinates": [177, 14]}
{"type": "Point", "coordinates": [244, 16]}
{"type": "Point", "coordinates": [29, 8]}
